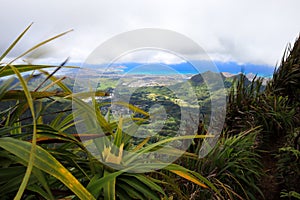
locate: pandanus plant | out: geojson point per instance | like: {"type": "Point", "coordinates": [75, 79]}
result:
{"type": "Point", "coordinates": [44, 160]}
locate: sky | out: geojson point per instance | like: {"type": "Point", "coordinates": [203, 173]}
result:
{"type": "Point", "coordinates": [241, 31]}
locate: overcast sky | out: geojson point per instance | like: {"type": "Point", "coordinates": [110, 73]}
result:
{"type": "Point", "coordinates": [243, 31]}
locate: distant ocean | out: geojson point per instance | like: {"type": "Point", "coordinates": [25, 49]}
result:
{"type": "Point", "coordinates": [181, 68]}
{"type": "Point", "coordinates": [187, 68]}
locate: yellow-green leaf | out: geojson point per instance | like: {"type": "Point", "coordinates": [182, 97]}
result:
{"type": "Point", "coordinates": [188, 177]}
{"type": "Point", "coordinates": [47, 163]}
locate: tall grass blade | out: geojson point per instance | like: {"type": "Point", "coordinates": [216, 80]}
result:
{"type": "Point", "coordinates": [47, 163]}
{"type": "Point", "coordinates": [48, 77]}
{"type": "Point", "coordinates": [39, 45]}
{"type": "Point", "coordinates": [14, 43]}
{"type": "Point", "coordinates": [189, 177]}
{"type": "Point", "coordinates": [33, 147]}
{"type": "Point", "coordinates": [6, 71]}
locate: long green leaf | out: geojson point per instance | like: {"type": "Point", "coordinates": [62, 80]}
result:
{"type": "Point", "coordinates": [9, 172]}
{"type": "Point", "coordinates": [131, 192]}
{"type": "Point", "coordinates": [6, 71]}
{"type": "Point", "coordinates": [96, 184]}
{"type": "Point", "coordinates": [93, 117]}
{"type": "Point", "coordinates": [20, 94]}
{"type": "Point", "coordinates": [109, 189]}
{"type": "Point", "coordinates": [39, 45]}
{"type": "Point", "coordinates": [14, 43]}
{"type": "Point", "coordinates": [118, 135]}
{"type": "Point", "coordinates": [147, 149]}
{"type": "Point", "coordinates": [141, 187]}
{"type": "Point", "coordinates": [47, 163]}
{"type": "Point", "coordinates": [59, 83]}
{"type": "Point", "coordinates": [33, 147]}
{"type": "Point", "coordinates": [40, 191]}
{"type": "Point", "coordinates": [172, 167]}
{"type": "Point", "coordinates": [147, 181]}
{"type": "Point", "coordinates": [13, 183]}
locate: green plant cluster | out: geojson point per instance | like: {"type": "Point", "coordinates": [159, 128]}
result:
{"type": "Point", "coordinates": [275, 110]}
{"type": "Point", "coordinates": [45, 161]}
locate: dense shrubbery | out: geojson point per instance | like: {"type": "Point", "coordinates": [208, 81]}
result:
{"type": "Point", "coordinates": [276, 111]}
{"type": "Point", "coordinates": [288, 166]}
{"type": "Point", "coordinates": [234, 167]}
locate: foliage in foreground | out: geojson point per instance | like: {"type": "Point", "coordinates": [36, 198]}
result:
{"type": "Point", "coordinates": [288, 167]}
{"type": "Point", "coordinates": [276, 111]}
{"type": "Point", "coordinates": [286, 84]}
{"type": "Point", "coordinates": [33, 166]}
{"type": "Point", "coordinates": [233, 166]}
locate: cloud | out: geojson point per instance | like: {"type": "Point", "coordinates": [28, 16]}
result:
{"type": "Point", "coordinates": [150, 56]}
{"type": "Point", "coordinates": [242, 31]}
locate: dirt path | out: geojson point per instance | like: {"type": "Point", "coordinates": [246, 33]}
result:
{"type": "Point", "coordinates": [269, 183]}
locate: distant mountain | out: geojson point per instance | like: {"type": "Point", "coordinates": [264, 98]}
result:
{"type": "Point", "coordinates": [228, 78]}
{"type": "Point", "coordinates": [198, 79]}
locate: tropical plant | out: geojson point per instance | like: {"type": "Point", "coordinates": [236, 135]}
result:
{"type": "Point", "coordinates": [288, 170]}
{"type": "Point", "coordinates": [242, 99]}
{"type": "Point", "coordinates": [286, 78]}
{"type": "Point", "coordinates": [251, 106]}
{"type": "Point", "coordinates": [42, 160]}
{"type": "Point", "coordinates": [24, 164]}
{"type": "Point", "coordinates": [233, 166]}
{"type": "Point", "coordinates": [275, 110]}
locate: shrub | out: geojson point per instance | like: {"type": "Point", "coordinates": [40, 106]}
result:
{"type": "Point", "coordinates": [233, 166]}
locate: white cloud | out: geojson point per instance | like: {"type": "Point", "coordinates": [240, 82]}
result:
{"type": "Point", "coordinates": [242, 31]}
{"type": "Point", "coordinates": [150, 56]}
